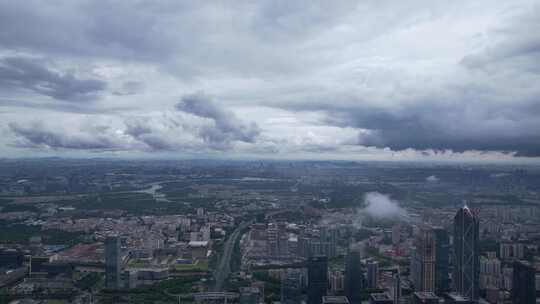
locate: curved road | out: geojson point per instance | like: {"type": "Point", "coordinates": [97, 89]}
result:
{"type": "Point", "coordinates": [224, 267]}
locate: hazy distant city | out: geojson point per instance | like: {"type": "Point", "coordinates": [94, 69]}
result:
{"type": "Point", "coordinates": [114, 231]}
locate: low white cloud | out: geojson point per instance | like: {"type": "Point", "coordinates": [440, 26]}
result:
{"type": "Point", "coordinates": [381, 206]}
{"type": "Point", "coordinates": [499, 175]}
{"type": "Point", "coordinates": [432, 179]}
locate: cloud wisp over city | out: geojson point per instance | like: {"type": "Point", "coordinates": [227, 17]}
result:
{"type": "Point", "coordinates": [373, 80]}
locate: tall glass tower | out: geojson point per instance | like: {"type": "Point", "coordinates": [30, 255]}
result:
{"type": "Point", "coordinates": [442, 254]}
{"type": "Point", "coordinates": [112, 262]}
{"type": "Point", "coordinates": [354, 277]}
{"type": "Point", "coordinates": [317, 279]}
{"type": "Point", "coordinates": [523, 290]}
{"type": "Point", "coordinates": [425, 260]}
{"type": "Point", "coordinates": [466, 254]}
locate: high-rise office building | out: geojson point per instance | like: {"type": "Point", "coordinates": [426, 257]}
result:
{"type": "Point", "coordinates": [11, 258]}
{"type": "Point", "coordinates": [396, 287]}
{"type": "Point", "coordinates": [272, 239]}
{"type": "Point", "coordinates": [277, 240]}
{"type": "Point", "coordinates": [523, 289]}
{"type": "Point", "coordinates": [317, 279]}
{"type": "Point", "coordinates": [490, 272]}
{"type": "Point", "coordinates": [442, 256]}
{"type": "Point", "coordinates": [372, 275]}
{"type": "Point", "coordinates": [396, 234]}
{"type": "Point", "coordinates": [283, 241]}
{"type": "Point", "coordinates": [337, 281]}
{"type": "Point", "coordinates": [328, 238]}
{"type": "Point", "coordinates": [466, 253]}
{"type": "Point", "coordinates": [354, 277]}
{"type": "Point", "coordinates": [423, 260]}
{"type": "Point", "coordinates": [291, 287]}
{"type": "Point", "coordinates": [112, 262]}
{"type": "Point", "coordinates": [511, 251]}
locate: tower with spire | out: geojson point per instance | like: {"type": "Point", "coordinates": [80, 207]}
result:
{"type": "Point", "coordinates": [466, 253]}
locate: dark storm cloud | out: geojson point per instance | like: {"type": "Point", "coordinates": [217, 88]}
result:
{"type": "Point", "coordinates": [457, 122]}
{"type": "Point", "coordinates": [30, 74]}
{"type": "Point", "coordinates": [491, 104]}
{"type": "Point", "coordinates": [227, 125]}
{"type": "Point", "coordinates": [38, 135]}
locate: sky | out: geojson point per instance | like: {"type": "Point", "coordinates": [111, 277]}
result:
{"type": "Point", "coordinates": [358, 80]}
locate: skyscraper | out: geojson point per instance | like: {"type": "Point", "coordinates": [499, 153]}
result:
{"type": "Point", "coordinates": [328, 238]}
{"type": "Point", "coordinates": [523, 287]}
{"type": "Point", "coordinates": [112, 262]}
{"type": "Point", "coordinates": [277, 240]}
{"type": "Point", "coordinates": [423, 260]}
{"type": "Point", "coordinates": [291, 287]}
{"type": "Point", "coordinates": [396, 234]}
{"type": "Point", "coordinates": [317, 279]}
{"type": "Point", "coordinates": [396, 287]}
{"type": "Point", "coordinates": [442, 255]}
{"type": "Point", "coordinates": [272, 239]}
{"type": "Point", "coordinates": [372, 275]}
{"type": "Point", "coordinates": [354, 277]}
{"type": "Point", "coordinates": [466, 256]}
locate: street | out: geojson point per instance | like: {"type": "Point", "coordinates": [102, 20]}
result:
{"type": "Point", "coordinates": [224, 267]}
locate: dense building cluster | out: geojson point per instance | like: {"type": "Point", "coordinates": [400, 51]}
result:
{"type": "Point", "coordinates": [267, 233]}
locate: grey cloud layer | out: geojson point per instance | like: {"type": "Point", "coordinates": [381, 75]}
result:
{"type": "Point", "coordinates": [30, 74]}
{"type": "Point", "coordinates": [37, 136]}
{"type": "Point", "coordinates": [197, 124]}
{"type": "Point", "coordinates": [227, 125]}
{"type": "Point", "coordinates": [491, 102]}
{"type": "Point", "coordinates": [455, 126]}
{"type": "Point", "coordinates": [370, 74]}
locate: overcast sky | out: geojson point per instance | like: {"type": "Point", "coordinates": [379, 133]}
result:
{"type": "Point", "coordinates": [395, 80]}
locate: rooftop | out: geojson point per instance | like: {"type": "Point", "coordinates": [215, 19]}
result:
{"type": "Point", "coordinates": [198, 244]}
{"type": "Point", "coordinates": [380, 296]}
{"type": "Point", "coordinates": [335, 300]}
{"type": "Point", "coordinates": [457, 297]}
{"type": "Point", "coordinates": [426, 295]}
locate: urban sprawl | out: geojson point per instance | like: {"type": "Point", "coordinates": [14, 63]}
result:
{"type": "Point", "coordinates": [109, 231]}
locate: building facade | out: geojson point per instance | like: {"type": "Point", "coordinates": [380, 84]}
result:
{"type": "Point", "coordinates": [112, 262]}
{"type": "Point", "coordinates": [442, 256]}
{"type": "Point", "coordinates": [317, 279]}
{"type": "Point", "coordinates": [466, 253]}
{"type": "Point", "coordinates": [354, 277]}
{"type": "Point", "coordinates": [524, 289]}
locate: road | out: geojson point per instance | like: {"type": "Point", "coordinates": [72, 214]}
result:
{"type": "Point", "coordinates": [224, 267]}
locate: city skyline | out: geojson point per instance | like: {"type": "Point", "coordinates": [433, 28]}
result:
{"type": "Point", "coordinates": [131, 231]}
{"type": "Point", "coordinates": [270, 151]}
